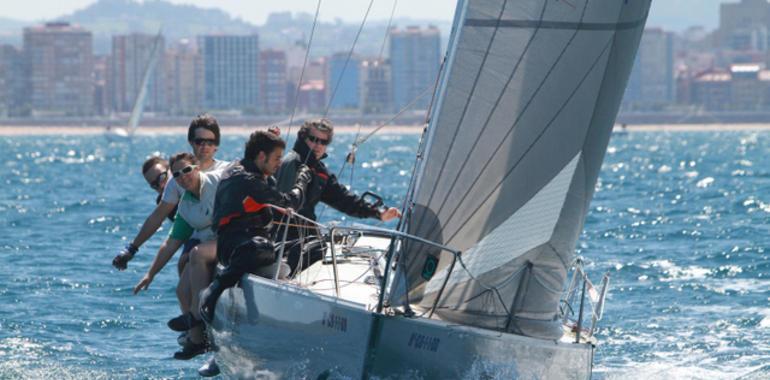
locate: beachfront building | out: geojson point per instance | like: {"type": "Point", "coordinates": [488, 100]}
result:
{"type": "Point", "coordinates": [415, 57]}
{"type": "Point", "coordinates": [312, 96]}
{"type": "Point", "coordinates": [13, 91]}
{"type": "Point", "coordinates": [343, 84]}
{"type": "Point", "coordinates": [59, 61]}
{"type": "Point", "coordinates": [272, 81]}
{"type": "Point", "coordinates": [375, 89]}
{"type": "Point", "coordinates": [744, 87]}
{"type": "Point", "coordinates": [183, 77]}
{"type": "Point", "coordinates": [230, 72]}
{"type": "Point", "coordinates": [131, 56]}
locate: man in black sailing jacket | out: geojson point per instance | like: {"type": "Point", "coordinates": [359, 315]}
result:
{"type": "Point", "coordinates": [309, 149]}
{"type": "Point", "coordinates": [243, 213]}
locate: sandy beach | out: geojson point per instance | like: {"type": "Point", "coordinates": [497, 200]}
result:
{"type": "Point", "coordinates": [15, 130]}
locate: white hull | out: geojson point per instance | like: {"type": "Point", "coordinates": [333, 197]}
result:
{"type": "Point", "coordinates": [266, 329]}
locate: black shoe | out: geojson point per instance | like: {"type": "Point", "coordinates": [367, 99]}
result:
{"type": "Point", "coordinates": [183, 322]}
{"type": "Point", "coordinates": [190, 351]}
{"type": "Point", "coordinates": [209, 369]}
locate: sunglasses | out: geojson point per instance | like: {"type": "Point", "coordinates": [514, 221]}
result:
{"type": "Point", "coordinates": [201, 141]}
{"type": "Point", "coordinates": [184, 170]}
{"type": "Point", "coordinates": [317, 140]}
{"type": "Point", "coordinates": [158, 180]}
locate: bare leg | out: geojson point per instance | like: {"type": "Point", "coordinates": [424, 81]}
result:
{"type": "Point", "coordinates": [203, 258]}
{"type": "Point", "coordinates": [183, 294]}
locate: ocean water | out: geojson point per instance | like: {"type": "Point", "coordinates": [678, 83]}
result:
{"type": "Point", "coordinates": [679, 221]}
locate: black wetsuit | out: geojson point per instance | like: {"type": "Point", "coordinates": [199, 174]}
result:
{"type": "Point", "coordinates": [241, 218]}
{"type": "Point", "coordinates": [323, 188]}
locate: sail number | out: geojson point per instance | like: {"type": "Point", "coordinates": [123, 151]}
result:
{"type": "Point", "coordinates": [335, 322]}
{"type": "Point", "coordinates": [424, 342]}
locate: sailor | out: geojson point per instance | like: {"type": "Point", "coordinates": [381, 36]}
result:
{"type": "Point", "coordinates": [193, 221]}
{"type": "Point", "coordinates": [313, 138]}
{"type": "Point", "coordinates": [156, 174]}
{"type": "Point", "coordinates": [243, 213]}
{"type": "Point", "coordinates": [203, 137]}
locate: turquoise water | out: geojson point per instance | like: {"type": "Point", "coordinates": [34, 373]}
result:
{"type": "Point", "coordinates": [679, 221]}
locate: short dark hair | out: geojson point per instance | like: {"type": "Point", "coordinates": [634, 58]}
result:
{"type": "Point", "coordinates": [323, 125]}
{"type": "Point", "coordinates": [262, 141]}
{"type": "Point", "coordinates": [204, 121]}
{"type": "Point", "coordinates": [189, 157]}
{"type": "Point", "coordinates": [152, 161]}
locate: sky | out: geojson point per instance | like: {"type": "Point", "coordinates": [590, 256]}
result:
{"type": "Point", "coordinates": [254, 11]}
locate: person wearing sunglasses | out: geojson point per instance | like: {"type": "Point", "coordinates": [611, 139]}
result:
{"type": "Point", "coordinates": [156, 174]}
{"type": "Point", "coordinates": [313, 139]}
{"type": "Point", "coordinates": [203, 137]}
{"type": "Point", "coordinates": [193, 221]}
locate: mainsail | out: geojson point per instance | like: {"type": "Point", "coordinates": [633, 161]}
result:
{"type": "Point", "coordinates": [522, 120]}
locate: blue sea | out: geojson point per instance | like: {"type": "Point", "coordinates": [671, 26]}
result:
{"type": "Point", "coordinates": [679, 221]}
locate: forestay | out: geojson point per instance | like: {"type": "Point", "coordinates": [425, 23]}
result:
{"type": "Point", "coordinates": [522, 120]}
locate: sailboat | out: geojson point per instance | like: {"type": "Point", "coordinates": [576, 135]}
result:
{"type": "Point", "coordinates": [470, 284]}
{"type": "Point", "coordinates": [118, 133]}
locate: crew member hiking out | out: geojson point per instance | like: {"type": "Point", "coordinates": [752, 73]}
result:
{"type": "Point", "coordinates": [309, 149]}
{"type": "Point", "coordinates": [242, 213]}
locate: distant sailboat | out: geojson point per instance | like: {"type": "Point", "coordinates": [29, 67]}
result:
{"type": "Point", "coordinates": [117, 133]}
{"type": "Point", "coordinates": [471, 283]}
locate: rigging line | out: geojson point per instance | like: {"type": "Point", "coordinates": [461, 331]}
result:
{"type": "Point", "coordinates": [467, 104]}
{"type": "Point", "coordinates": [510, 130]}
{"type": "Point", "coordinates": [387, 31]}
{"type": "Point", "coordinates": [347, 60]}
{"type": "Point", "coordinates": [362, 140]}
{"type": "Point", "coordinates": [542, 133]}
{"type": "Point", "coordinates": [304, 65]}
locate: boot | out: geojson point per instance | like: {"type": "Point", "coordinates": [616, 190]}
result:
{"type": "Point", "coordinates": [209, 298]}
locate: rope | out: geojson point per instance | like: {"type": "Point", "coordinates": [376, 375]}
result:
{"type": "Point", "coordinates": [347, 60]}
{"type": "Point", "coordinates": [387, 31]}
{"type": "Point", "coordinates": [304, 65]}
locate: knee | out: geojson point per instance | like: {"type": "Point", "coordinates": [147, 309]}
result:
{"type": "Point", "coordinates": [196, 257]}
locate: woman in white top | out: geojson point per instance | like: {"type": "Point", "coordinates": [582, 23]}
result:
{"type": "Point", "coordinates": [193, 221]}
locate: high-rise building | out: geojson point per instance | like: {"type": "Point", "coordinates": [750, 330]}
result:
{"type": "Point", "coordinates": [13, 89]}
{"type": "Point", "coordinates": [183, 76]}
{"type": "Point", "coordinates": [652, 84]}
{"type": "Point", "coordinates": [343, 84]}
{"type": "Point", "coordinates": [415, 57]}
{"type": "Point", "coordinates": [131, 56]}
{"type": "Point", "coordinates": [102, 71]}
{"type": "Point", "coordinates": [230, 72]}
{"type": "Point", "coordinates": [272, 81]}
{"type": "Point", "coordinates": [744, 25]}
{"type": "Point", "coordinates": [375, 89]}
{"type": "Point", "coordinates": [59, 60]}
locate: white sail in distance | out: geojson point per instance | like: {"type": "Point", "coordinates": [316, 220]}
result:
{"type": "Point", "coordinates": [136, 111]}
{"type": "Point", "coordinates": [522, 120]}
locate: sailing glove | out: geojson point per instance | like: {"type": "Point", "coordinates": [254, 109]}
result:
{"type": "Point", "coordinates": [126, 254]}
{"type": "Point", "coordinates": [304, 176]}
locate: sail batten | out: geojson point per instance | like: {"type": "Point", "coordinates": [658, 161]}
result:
{"type": "Point", "coordinates": [527, 104]}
